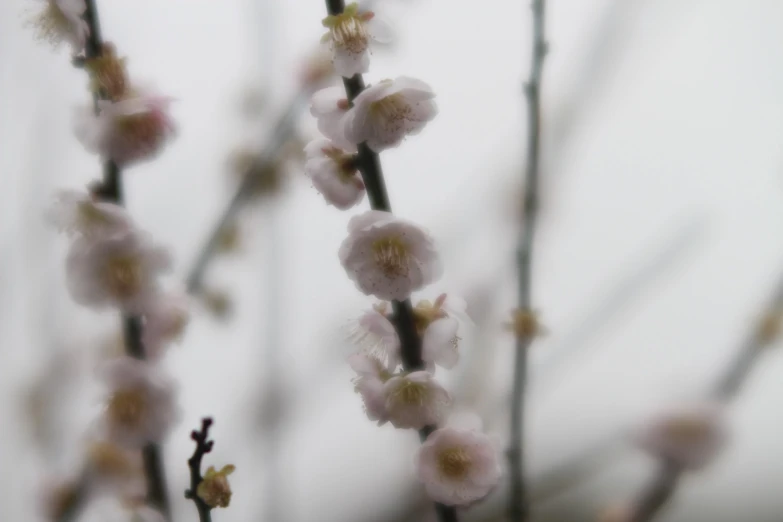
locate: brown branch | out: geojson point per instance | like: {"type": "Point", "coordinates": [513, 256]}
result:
{"type": "Point", "coordinates": [203, 446]}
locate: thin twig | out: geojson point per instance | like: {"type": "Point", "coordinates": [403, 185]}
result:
{"type": "Point", "coordinates": [517, 502]}
{"type": "Point", "coordinates": [369, 164]}
{"type": "Point", "coordinates": [111, 190]}
{"type": "Point", "coordinates": [281, 133]}
{"type": "Point", "coordinates": [661, 488]}
{"type": "Point", "coordinates": [203, 446]}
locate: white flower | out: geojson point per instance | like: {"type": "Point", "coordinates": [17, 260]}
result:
{"type": "Point", "coordinates": [690, 436]}
{"type": "Point", "coordinates": [77, 213]}
{"type": "Point", "coordinates": [350, 34]}
{"type": "Point", "coordinates": [115, 470]}
{"type": "Point", "coordinates": [415, 400]}
{"type": "Point", "coordinates": [334, 174]}
{"type": "Point", "coordinates": [127, 131]}
{"type": "Point", "coordinates": [374, 333]}
{"type": "Point", "coordinates": [438, 323]}
{"type": "Point", "coordinates": [140, 408]}
{"type": "Point", "coordinates": [61, 21]}
{"type": "Point", "coordinates": [458, 467]}
{"type": "Point", "coordinates": [388, 257]}
{"type": "Point", "coordinates": [384, 113]}
{"type": "Point", "coordinates": [165, 321]}
{"type": "Point", "coordinates": [119, 270]}
{"type": "Point", "coordinates": [329, 106]}
{"type": "Point", "coordinates": [369, 382]}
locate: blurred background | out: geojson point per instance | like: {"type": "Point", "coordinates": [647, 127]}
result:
{"type": "Point", "coordinates": [659, 244]}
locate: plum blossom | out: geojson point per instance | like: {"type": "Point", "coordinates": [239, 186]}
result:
{"type": "Point", "coordinates": [119, 270]}
{"type": "Point", "coordinates": [115, 470]}
{"type": "Point", "coordinates": [140, 407]}
{"type": "Point", "coordinates": [329, 106]}
{"type": "Point", "coordinates": [61, 21]}
{"type": "Point", "coordinates": [438, 323]}
{"type": "Point", "coordinates": [415, 400]}
{"type": "Point", "coordinates": [374, 333]}
{"type": "Point", "coordinates": [334, 174]}
{"type": "Point", "coordinates": [458, 467]}
{"type": "Point", "coordinates": [388, 257]}
{"type": "Point", "coordinates": [385, 113]}
{"type": "Point", "coordinates": [77, 213]}
{"type": "Point", "coordinates": [165, 321]}
{"type": "Point", "coordinates": [127, 131]}
{"type": "Point", "coordinates": [690, 436]}
{"type": "Point", "coordinates": [370, 378]}
{"type": "Point", "coordinates": [349, 36]}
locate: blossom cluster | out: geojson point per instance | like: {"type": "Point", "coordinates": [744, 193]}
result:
{"type": "Point", "coordinates": [112, 264]}
{"type": "Point", "coordinates": [390, 258]}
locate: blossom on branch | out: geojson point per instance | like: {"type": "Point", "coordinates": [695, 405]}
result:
{"type": "Point", "coordinates": [385, 113]}
{"type": "Point", "coordinates": [165, 321]}
{"type": "Point", "coordinates": [78, 214]}
{"type": "Point", "coordinates": [415, 400]}
{"type": "Point", "coordinates": [214, 489]}
{"type": "Point", "coordinates": [334, 174]}
{"type": "Point", "coordinates": [61, 21]}
{"type": "Point", "coordinates": [458, 467]}
{"type": "Point", "coordinates": [349, 36]}
{"type": "Point", "coordinates": [369, 383]}
{"type": "Point", "coordinates": [127, 131]}
{"type": "Point", "coordinates": [388, 257]}
{"type": "Point", "coordinates": [329, 106]}
{"type": "Point", "coordinates": [119, 270]}
{"type": "Point", "coordinates": [140, 407]}
{"type": "Point", "coordinates": [690, 436]}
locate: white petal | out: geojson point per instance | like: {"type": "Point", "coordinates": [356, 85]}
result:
{"type": "Point", "coordinates": [439, 343]}
{"type": "Point", "coordinates": [348, 64]}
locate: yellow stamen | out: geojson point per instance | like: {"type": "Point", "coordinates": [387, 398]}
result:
{"type": "Point", "coordinates": [454, 463]}
{"type": "Point", "coordinates": [391, 256]}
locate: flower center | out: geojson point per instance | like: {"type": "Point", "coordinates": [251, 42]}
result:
{"type": "Point", "coordinates": [124, 275]}
{"type": "Point", "coordinates": [391, 256]}
{"type": "Point", "coordinates": [110, 460]}
{"type": "Point", "coordinates": [126, 408]}
{"type": "Point", "coordinates": [454, 463]}
{"type": "Point", "coordinates": [144, 131]}
{"type": "Point", "coordinates": [411, 393]}
{"type": "Point", "coordinates": [350, 33]}
{"type": "Point", "coordinates": [51, 23]}
{"type": "Point", "coordinates": [393, 108]}
{"type": "Point", "coordinates": [688, 429]}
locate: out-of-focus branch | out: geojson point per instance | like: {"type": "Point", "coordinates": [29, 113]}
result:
{"type": "Point", "coordinates": [654, 496]}
{"type": "Point", "coordinates": [517, 502]}
{"type": "Point", "coordinates": [111, 190]}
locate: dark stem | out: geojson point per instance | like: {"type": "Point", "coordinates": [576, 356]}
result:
{"type": "Point", "coordinates": [518, 509]}
{"type": "Point", "coordinates": [111, 191]}
{"type": "Point", "coordinates": [369, 165]}
{"type": "Point", "coordinates": [661, 488]}
{"type": "Point", "coordinates": [203, 446]}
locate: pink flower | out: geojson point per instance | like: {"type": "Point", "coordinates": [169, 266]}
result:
{"type": "Point", "coordinates": [350, 34]}
{"type": "Point", "coordinates": [388, 257]}
{"type": "Point", "coordinates": [140, 408]}
{"type": "Point", "coordinates": [334, 174]}
{"type": "Point", "coordinates": [385, 113]}
{"type": "Point", "coordinates": [369, 382]}
{"type": "Point", "coordinates": [119, 270]}
{"type": "Point", "coordinates": [689, 436]}
{"type": "Point", "coordinates": [415, 400]}
{"type": "Point", "coordinates": [78, 214]}
{"type": "Point", "coordinates": [458, 467]}
{"type": "Point", "coordinates": [165, 321]}
{"type": "Point", "coordinates": [128, 131]}
{"type": "Point", "coordinates": [329, 106]}
{"type": "Point", "coordinates": [375, 334]}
